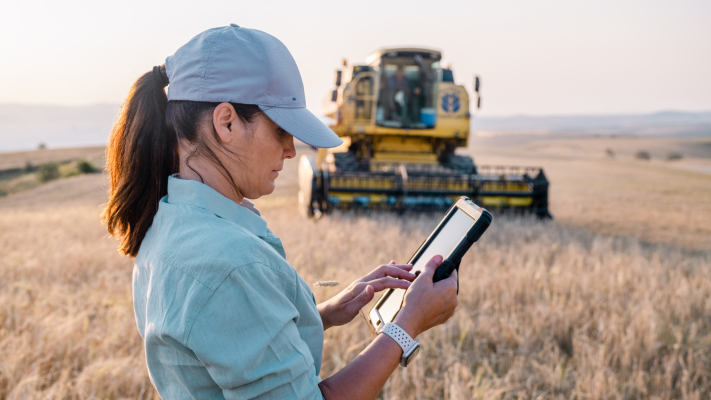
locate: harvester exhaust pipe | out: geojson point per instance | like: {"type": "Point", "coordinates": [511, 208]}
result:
{"type": "Point", "coordinates": [477, 83]}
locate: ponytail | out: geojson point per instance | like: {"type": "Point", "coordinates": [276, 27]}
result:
{"type": "Point", "coordinates": [143, 152]}
{"type": "Point", "coordinates": [140, 156]}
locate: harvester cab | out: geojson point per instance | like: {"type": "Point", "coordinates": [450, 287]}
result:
{"type": "Point", "coordinates": [401, 117]}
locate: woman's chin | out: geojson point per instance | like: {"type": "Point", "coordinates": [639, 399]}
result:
{"type": "Point", "coordinates": [269, 189]}
{"type": "Point", "coordinates": [256, 193]}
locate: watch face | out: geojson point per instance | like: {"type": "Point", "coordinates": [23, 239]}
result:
{"type": "Point", "coordinates": [411, 354]}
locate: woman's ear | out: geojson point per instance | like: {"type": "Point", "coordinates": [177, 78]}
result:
{"type": "Point", "coordinates": [227, 123]}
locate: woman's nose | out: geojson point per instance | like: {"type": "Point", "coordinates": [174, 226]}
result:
{"type": "Point", "coordinates": [289, 149]}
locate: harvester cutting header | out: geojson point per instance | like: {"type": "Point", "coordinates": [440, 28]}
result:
{"type": "Point", "coordinates": [402, 117]}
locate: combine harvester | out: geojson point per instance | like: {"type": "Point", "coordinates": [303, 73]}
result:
{"type": "Point", "coordinates": [402, 117]}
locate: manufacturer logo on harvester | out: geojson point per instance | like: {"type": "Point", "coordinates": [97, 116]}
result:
{"type": "Point", "coordinates": [450, 102]}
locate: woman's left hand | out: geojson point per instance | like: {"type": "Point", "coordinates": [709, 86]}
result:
{"type": "Point", "coordinates": [343, 307]}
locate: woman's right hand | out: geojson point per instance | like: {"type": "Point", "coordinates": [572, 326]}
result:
{"type": "Point", "coordinates": [428, 304]}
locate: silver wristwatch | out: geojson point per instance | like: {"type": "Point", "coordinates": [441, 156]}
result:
{"type": "Point", "coordinates": [410, 348]}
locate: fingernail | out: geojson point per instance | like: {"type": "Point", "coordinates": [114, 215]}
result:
{"type": "Point", "coordinates": [438, 259]}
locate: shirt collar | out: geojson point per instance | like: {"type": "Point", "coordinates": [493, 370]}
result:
{"type": "Point", "coordinates": [193, 193]}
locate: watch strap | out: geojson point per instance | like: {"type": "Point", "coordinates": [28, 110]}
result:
{"type": "Point", "coordinates": [399, 335]}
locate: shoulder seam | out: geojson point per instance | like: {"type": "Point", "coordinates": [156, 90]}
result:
{"type": "Point", "coordinates": [183, 270]}
{"type": "Point", "coordinates": [202, 307]}
{"type": "Point", "coordinates": [252, 250]}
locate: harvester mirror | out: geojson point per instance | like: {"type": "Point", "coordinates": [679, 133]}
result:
{"type": "Point", "coordinates": [476, 84]}
{"type": "Point", "coordinates": [339, 73]}
{"type": "Point", "coordinates": [334, 95]}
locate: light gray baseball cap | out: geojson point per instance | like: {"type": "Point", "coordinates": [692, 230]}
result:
{"type": "Point", "coordinates": [241, 65]}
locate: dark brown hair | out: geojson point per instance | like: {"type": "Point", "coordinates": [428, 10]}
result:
{"type": "Point", "coordinates": [143, 152]}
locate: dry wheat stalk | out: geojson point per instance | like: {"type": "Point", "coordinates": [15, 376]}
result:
{"type": "Point", "coordinates": [326, 283]}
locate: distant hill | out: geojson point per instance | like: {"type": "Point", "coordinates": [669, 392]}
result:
{"type": "Point", "coordinates": [24, 127]}
{"type": "Point", "coordinates": [668, 123]}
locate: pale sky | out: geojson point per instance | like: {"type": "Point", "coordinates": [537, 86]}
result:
{"type": "Point", "coordinates": [535, 58]}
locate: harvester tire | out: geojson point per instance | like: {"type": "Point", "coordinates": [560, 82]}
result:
{"type": "Point", "coordinates": [348, 161]}
{"type": "Point", "coordinates": [464, 164]}
{"type": "Point", "coordinates": [308, 187]}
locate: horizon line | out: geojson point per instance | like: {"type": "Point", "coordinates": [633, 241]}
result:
{"type": "Point", "coordinates": [474, 114]}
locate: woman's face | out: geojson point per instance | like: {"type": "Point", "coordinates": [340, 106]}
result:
{"type": "Point", "coordinates": [252, 153]}
{"type": "Point", "coordinates": [261, 149]}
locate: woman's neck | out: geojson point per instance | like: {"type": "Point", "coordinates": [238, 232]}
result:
{"type": "Point", "coordinates": [207, 173]}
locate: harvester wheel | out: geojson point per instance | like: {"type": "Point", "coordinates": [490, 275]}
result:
{"type": "Point", "coordinates": [464, 164]}
{"type": "Point", "coordinates": [308, 187]}
{"type": "Point", "coordinates": [348, 161]}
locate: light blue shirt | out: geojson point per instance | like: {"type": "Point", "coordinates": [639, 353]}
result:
{"type": "Point", "coordinates": [221, 312]}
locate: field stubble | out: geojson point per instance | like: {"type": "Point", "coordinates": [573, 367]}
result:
{"type": "Point", "coordinates": [545, 310]}
{"type": "Point", "coordinates": [656, 200]}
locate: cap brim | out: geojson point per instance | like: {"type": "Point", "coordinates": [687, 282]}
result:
{"type": "Point", "coordinates": [303, 125]}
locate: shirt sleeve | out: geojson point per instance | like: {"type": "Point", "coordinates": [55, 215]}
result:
{"type": "Point", "coordinates": [247, 338]}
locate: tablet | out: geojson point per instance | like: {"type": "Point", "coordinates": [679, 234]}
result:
{"type": "Point", "coordinates": [463, 225]}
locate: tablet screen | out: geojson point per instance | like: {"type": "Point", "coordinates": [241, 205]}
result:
{"type": "Point", "coordinates": [446, 241]}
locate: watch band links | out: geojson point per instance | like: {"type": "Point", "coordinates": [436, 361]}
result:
{"type": "Point", "coordinates": [399, 335]}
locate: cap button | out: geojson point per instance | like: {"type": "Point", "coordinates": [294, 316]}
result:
{"type": "Point", "coordinates": [234, 25]}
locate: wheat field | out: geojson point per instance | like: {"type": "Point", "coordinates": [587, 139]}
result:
{"type": "Point", "coordinates": [547, 310]}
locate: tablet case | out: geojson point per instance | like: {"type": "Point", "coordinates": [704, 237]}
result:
{"type": "Point", "coordinates": [452, 263]}
{"type": "Point", "coordinates": [455, 258]}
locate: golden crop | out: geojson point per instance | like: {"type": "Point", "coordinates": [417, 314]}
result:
{"type": "Point", "coordinates": [546, 310]}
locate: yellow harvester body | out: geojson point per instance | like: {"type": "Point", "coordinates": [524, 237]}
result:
{"type": "Point", "coordinates": [402, 117]}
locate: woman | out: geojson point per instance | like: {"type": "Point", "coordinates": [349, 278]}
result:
{"type": "Point", "coordinates": [222, 313]}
